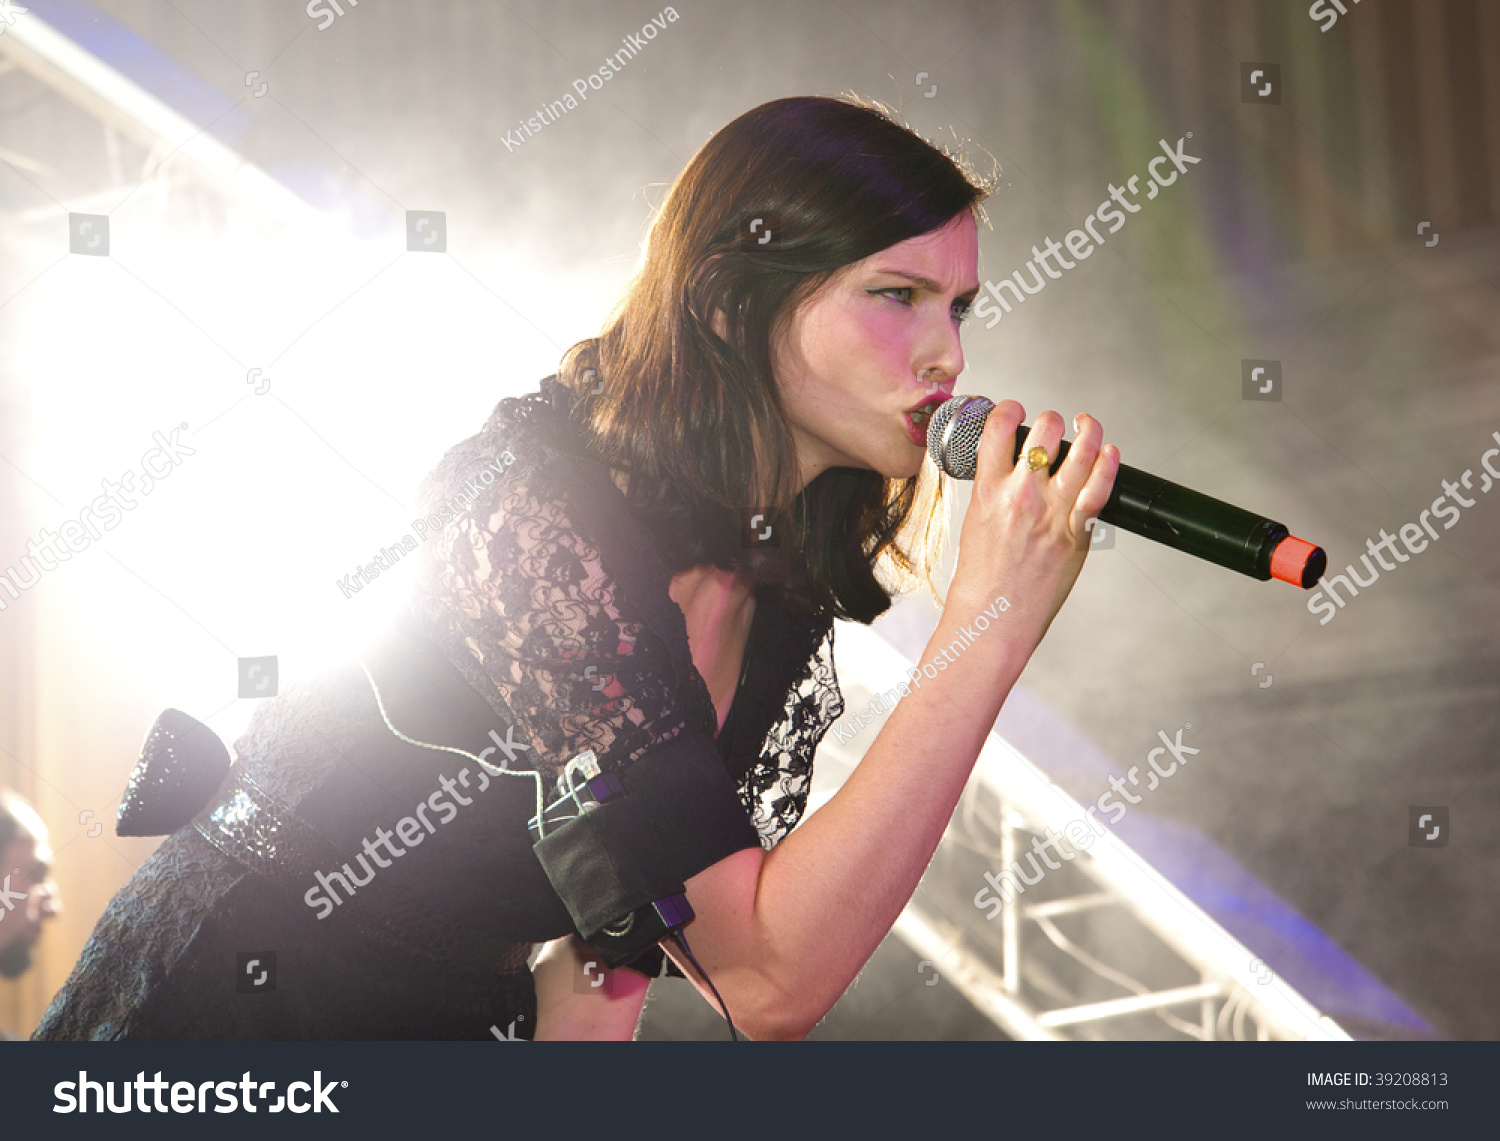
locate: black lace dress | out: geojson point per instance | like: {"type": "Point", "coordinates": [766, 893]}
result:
{"type": "Point", "coordinates": [544, 594]}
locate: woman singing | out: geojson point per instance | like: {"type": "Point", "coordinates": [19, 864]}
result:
{"type": "Point", "coordinates": [643, 559]}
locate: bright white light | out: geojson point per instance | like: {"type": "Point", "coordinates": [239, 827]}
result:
{"type": "Point", "coordinates": [374, 361]}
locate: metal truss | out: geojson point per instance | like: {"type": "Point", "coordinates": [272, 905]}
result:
{"type": "Point", "coordinates": [1032, 978]}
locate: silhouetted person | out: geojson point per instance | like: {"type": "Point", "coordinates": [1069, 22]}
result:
{"type": "Point", "coordinates": [28, 896]}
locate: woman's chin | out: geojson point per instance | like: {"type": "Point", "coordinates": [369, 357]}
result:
{"type": "Point", "coordinates": [900, 461]}
{"type": "Point", "coordinates": [904, 467]}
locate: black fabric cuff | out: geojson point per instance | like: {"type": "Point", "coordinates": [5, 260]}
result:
{"type": "Point", "coordinates": [680, 813]}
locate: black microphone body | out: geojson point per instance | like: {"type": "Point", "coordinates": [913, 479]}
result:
{"type": "Point", "coordinates": [1148, 505]}
{"type": "Point", "coordinates": [1186, 520]}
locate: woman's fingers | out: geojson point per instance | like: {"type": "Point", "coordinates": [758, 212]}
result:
{"type": "Point", "coordinates": [1083, 481]}
{"type": "Point", "coordinates": [1085, 478]}
{"type": "Point", "coordinates": [1046, 434]}
{"type": "Point", "coordinates": [1097, 488]}
{"type": "Point", "coordinates": [1088, 435]}
{"type": "Point", "coordinates": [998, 440]}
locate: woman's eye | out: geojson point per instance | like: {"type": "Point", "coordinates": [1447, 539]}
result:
{"type": "Point", "coordinates": [903, 294]}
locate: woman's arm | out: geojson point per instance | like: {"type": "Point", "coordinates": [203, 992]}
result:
{"type": "Point", "coordinates": [578, 1000]}
{"type": "Point", "coordinates": [783, 933]}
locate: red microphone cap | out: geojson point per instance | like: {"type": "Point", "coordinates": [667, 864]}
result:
{"type": "Point", "coordinates": [1289, 559]}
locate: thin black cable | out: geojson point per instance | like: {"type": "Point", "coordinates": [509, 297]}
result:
{"type": "Point", "coordinates": [697, 966]}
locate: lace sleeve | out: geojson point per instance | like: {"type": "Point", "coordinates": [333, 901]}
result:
{"type": "Point", "coordinates": [526, 609]}
{"type": "Point", "coordinates": [550, 600]}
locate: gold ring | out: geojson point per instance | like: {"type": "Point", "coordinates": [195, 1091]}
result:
{"type": "Point", "coordinates": [1037, 458]}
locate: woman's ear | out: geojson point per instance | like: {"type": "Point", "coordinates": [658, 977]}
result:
{"type": "Point", "coordinates": [720, 325]}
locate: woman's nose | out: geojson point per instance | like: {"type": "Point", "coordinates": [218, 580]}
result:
{"type": "Point", "coordinates": [943, 351]}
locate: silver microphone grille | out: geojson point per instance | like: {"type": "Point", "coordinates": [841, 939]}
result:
{"type": "Point", "coordinates": [953, 434]}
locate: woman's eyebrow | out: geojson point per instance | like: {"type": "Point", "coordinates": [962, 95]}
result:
{"type": "Point", "coordinates": [928, 284]}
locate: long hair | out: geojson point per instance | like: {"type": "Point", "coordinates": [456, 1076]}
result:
{"type": "Point", "coordinates": [770, 208]}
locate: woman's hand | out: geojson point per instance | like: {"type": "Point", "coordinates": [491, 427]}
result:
{"type": "Point", "coordinates": [578, 999]}
{"type": "Point", "coordinates": [783, 933]}
{"type": "Point", "coordinates": [1025, 534]}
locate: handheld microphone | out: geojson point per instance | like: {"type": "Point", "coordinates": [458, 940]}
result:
{"type": "Point", "coordinates": [1165, 512]}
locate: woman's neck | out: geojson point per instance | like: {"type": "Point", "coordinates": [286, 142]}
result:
{"type": "Point", "coordinates": [718, 606]}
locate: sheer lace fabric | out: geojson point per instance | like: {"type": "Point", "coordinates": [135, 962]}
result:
{"type": "Point", "coordinates": [569, 632]}
{"type": "Point", "coordinates": [546, 593]}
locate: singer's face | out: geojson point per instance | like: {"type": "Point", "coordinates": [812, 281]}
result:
{"type": "Point", "coordinates": [865, 359]}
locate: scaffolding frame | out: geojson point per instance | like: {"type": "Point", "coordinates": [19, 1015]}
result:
{"type": "Point", "coordinates": [1234, 987]}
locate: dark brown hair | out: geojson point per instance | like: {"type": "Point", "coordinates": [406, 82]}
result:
{"type": "Point", "coordinates": [695, 421]}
